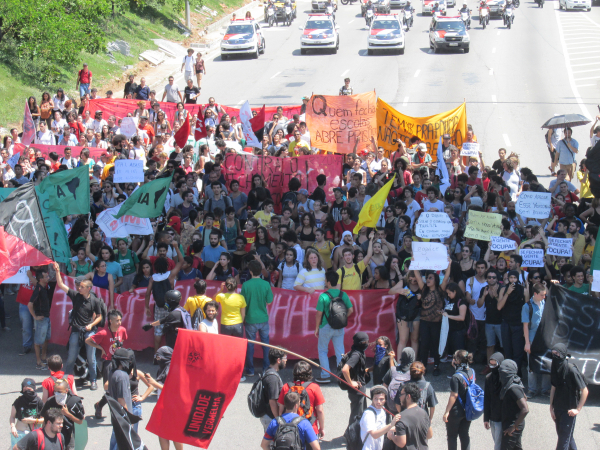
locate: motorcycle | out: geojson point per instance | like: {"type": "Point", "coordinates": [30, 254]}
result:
{"type": "Point", "coordinates": [540, 3]}
{"type": "Point", "coordinates": [271, 15]}
{"type": "Point", "coordinates": [509, 18]}
{"type": "Point", "coordinates": [288, 15]}
{"type": "Point", "coordinates": [345, 2]}
{"type": "Point", "coordinates": [484, 17]}
{"type": "Point", "coordinates": [369, 17]}
{"type": "Point", "coordinates": [466, 18]}
{"type": "Point", "coordinates": [408, 19]}
{"type": "Point", "coordinates": [517, 3]}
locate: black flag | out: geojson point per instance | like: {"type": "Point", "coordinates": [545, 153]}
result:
{"type": "Point", "coordinates": [122, 422]}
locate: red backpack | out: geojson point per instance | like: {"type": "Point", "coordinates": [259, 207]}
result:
{"type": "Point", "coordinates": [41, 439]}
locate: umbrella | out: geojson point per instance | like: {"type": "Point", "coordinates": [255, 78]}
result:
{"type": "Point", "coordinates": [566, 120]}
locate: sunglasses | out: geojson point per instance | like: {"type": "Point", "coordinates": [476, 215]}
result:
{"type": "Point", "coordinates": [536, 278]}
{"type": "Point", "coordinates": [492, 278]}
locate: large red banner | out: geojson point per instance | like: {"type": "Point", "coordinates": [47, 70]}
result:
{"type": "Point", "coordinates": [277, 172]}
{"type": "Point", "coordinates": [95, 152]}
{"type": "Point", "coordinates": [292, 316]}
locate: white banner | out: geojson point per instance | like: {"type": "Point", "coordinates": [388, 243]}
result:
{"type": "Point", "coordinates": [532, 257]}
{"type": "Point", "coordinates": [469, 149]}
{"type": "Point", "coordinates": [245, 116]}
{"type": "Point", "coordinates": [18, 278]}
{"type": "Point", "coordinates": [129, 171]}
{"type": "Point", "coordinates": [560, 247]}
{"type": "Point", "coordinates": [434, 225]}
{"type": "Point", "coordinates": [500, 244]}
{"type": "Point", "coordinates": [534, 205]}
{"type": "Point", "coordinates": [429, 256]}
{"type": "Point", "coordinates": [124, 226]}
{"type": "Point", "coordinates": [129, 126]}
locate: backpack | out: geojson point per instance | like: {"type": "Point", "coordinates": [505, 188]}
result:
{"type": "Point", "coordinates": [41, 439]}
{"type": "Point", "coordinates": [197, 318]}
{"type": "Point", "coordinates": [423, 398]}
{"type": "Point", "coordinates": [226, 199]}
{"type": "Point", "coordinates": [291, 196]}
{"type": "Point", "coordinates": [287, 436]}
{"type": "Point", "coordinates": [305, 409]}
{"type": "Point", "coordinates": [187, 319]}
{"type": "Point", "coordinates": [408, 308]}
{"type": "Point", "coordinates": [396, 383]}
{"type": "Point", "coordinates": [473, 404]}
{"type": "Point", "coordinates": [343, 386]}
{"type": "Point", "coordinates": [256, 403]}
{"type": "Point", "coordinates": [283, 266]}
{"type": "Point", "coordinates": [104, 310]}
{"type": "Point", "coordinates": [338, 312]}
{"type": "Point", "coordinates": [352, 433]}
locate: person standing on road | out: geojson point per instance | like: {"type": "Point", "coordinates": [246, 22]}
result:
{"type": "Point", "coordinates": [531, 316]}
{"type": "Point", "coordinates": [354, 372]}
{"type": "Point", "coordinates": [566, 148]}
{"type": "Point", "coordinates": [84, 81]}
{"type": "Point", "coordinates": [323, 331]}
{"type": "Point", "coordinates": [567, 396]}
{"type": "Point", "coordinates": [272, 385]}
{"type": "Point", "coordinates": [172, 92]}
{"type": "Point", "coordinates": [373, 427]}
{"type": "Point", "coordinates": [413, 428]}
{"type": "Point", "coordinates": [514, 406]}
{"type": "Point", "coordinates": [25, 412]}
{"type": "Point", "coordinates": [189, 64]}
{"type": "Point", "coordinates": [200, 69]}
{"type": "Point", "coordinates": [71, 406]}
{"type": "Point", "coordinates": [552, 138]}
{"type": "Point", "coordinates": [510, 302]}
{"type": "Point", "coordinates": [39, 307]}
{"type": "Point", "coordinates": [51, 433]}
{"type": "Point", "coordinates": [346, 89]}
{"type": "Point", "coordinates": [457, 425]}
{"type": "Point", "coordinates": [492, 404]}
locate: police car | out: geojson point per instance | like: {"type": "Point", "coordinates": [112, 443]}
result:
{"type": "Point", "coordinates": [427, 6]}
{"type": "Point", "coordinates": [448, 33]}
{"type": "Point", "coordinates": [319, 32]}
{"type": "Point", "coordinates": [386, 34]}
{"type": "Point", "coordinates": [243, 37]}
{"type": "Point", "coordinates": [496, 7]}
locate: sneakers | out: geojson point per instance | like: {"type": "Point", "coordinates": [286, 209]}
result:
{"type": "Point", "coordinates": [41, 366]}
{"type": "Point", "coordinates": [485, 370]}
{"type": "Point", "coordinates": [98, 411]}
{"type": "Point", "coordinates": [436, 371]}
{"type": "Point", "coordinates": [531, 394]}
{"type": "Point", "coordinates": [25, 351]}
{"type": "Point", "coordinates": [546, 393]}
{"type": "Point", "coordinates": [323, 380]}
{"type": "Point", "coordinates": [248, 374]}
{"type": "Point", "coordinates": [242, 379]}
{"type": "Point", "coordinates": [94, 386]}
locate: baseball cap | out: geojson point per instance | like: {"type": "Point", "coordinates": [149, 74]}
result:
{"type": "Point", "coordinates": [446, 136]}
{"type": "Point", "coordinates": [422, 146]}
{"type": "Point", "coordinates": [303, 192]}
{"type": "Point", "coordinates": [28, 382]}
{"type": "Point", "coordinates": [334, 189]}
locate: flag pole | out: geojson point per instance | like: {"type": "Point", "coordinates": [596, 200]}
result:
{"type": "Point", "coordinates": [316, 365]}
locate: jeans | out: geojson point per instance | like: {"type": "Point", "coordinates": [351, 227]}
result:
{"type": "Point", "coordinates": [358, 403]}
{"type": "Point", "coordinates": [493, 334]}
{"type": "Point", "coordinates": [565, 426]}
{"type": "Point", "coordinates": [327, 334]}
{"type": "Point", "coordinates": [429, 341]}
{"type": "Point", "coordinates": [532, 380]}
{"type": "Point", "coordinates": [497, 431]}
{"type": "Point", "coordinates": [456, 341]}
{"type": "Point", "coordinates": [513, 342]}
{"type": "Point", "coordinates": [458, 427]}
{"type": "Point", "coordinates": [26, 326]}
{"type": "Point", "coordinates": [513, 442]}
{"type": "Point", "coordinates": [84, 88]}
{"type": "Point", "coordinates": [74, 351]}
{"type": "Point", "coordinates": [236, 330]}
{"type": "Point", "coordinates": [251, 330]}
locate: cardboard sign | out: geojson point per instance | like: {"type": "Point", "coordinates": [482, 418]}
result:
{"type": "Point", "coordinates": [429, 256]}
{"type": "Point", "coordinates": [470, 149]}
{"type": "Point", "coordinates": [14, 160]}
{"type": "Point", "coordinates": [560, 246]}
{"type": "Point", "coordinates": [129, 126]}
{"type": "Point", "coordinates": [534, 205]}
{"type": "Point", "coordinates": [532, 257]}
{"type": "Point", "coordinates": [19, 278]}
{"type": "Point", "coordinates": [500, 244]}
{"type": "Point", "coordinates": [434, 225]}
{"type": "Point", "coordinates": [123, 226]}
{"type": "Point", "coordinates": [596, 281]}
{"type": "Point", "coordinates": [129, 171]}
{"type": "Point", "coordinates": [482, 226]}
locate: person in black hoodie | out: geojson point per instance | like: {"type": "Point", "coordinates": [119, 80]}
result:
{"type": "Point", "coordinates": [457, 424]}
{"type": "Point", "coordinates": [567, 396]}
{"type": "Point", "coordinates": [510, 302]}
{"type": "Point", "coordinates": [70, 405]}
{"type": "Point", "coordinates": [514, 405]}
{"type": "Point", "coordinates": [492, 404]}
{"type": "Point", "coordinates": [355, 373]}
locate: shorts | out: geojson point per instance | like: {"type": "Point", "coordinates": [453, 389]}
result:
{"type": "Point", "coordinates": [188, 74]}
{"type": "Point", "coordinates": [42, 331]}
{"type": "Point", "coordinates": [491, 332]}
{"type": "Point", "coordinates": [159, 313]}
{"type": "Point", "coordinates": [105, 369]}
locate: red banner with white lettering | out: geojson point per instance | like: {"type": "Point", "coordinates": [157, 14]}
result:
{"type": "Point", "coordinates": [277, 172]}
{"type": "Point", "coordinates": [291, 316]}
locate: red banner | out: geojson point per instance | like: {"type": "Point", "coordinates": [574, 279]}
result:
{"type": "Point", "coordinates": [120, 107]}
{"type": "Point", "coordinates": [291, 316]}
{"type": "Point", "coordinates": [277, 172]}
{"type": "Point", "coordinates": [95, 152]}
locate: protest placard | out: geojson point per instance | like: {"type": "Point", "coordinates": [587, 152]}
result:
{"type": "Point", "coordinates": [500, 244]}
{"type": "Point", "coordinates": [18, 278]}
{"type": "Point", "coordinates": [129, 171]}
{"type": "Point", "coordinates": [469, 149]}
{"type": "Point", "coordinates": [14, 160]}
{"type": "Point", "coordinates": [482, 226]}
{"type": "Point", "coordinates": [560, 247]}
{"type": "Point", "coordinates": [129, 126]}
{"type": "Point", "coordinates": [596, 281]}
{"type": "Point", "coordinates": [535, 205]}
{"type": "Point", "coordinates": [123, 226]}
{"type": "Point", "coordinates": [532, 257]}
{"type": "Point", "coordinates": [434, 225]}
{"type": "Point", "coordinates": [429, 256]}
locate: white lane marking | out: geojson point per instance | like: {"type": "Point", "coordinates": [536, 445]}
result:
{"type": "Point", "coordinates": [494, 101]}
{"type": "Point", "coordinates": [587, 78]}
{"type": "Point", "coordinates": [345, 72]}
{"type": "Point", "coordinates": [405, 102]}
{"type": "Point", "coordinates": [498, 34]}
{"type": "Point", "coordinates": [586, 71]}
{"type": "Point", "coordinates": [417, 73]}
{"type": "Point", "coordinates": [494, 50]}
{"type": "Point", "coordinates": [506, 140]}
{"type": "Point", "coordinates": [275, 75]}
{"type": "Point", "coordinates": [586, 53]}
{"type": "Point", "coordinates": [586, 64]}
{"type": "Point", "coordinates": [585, 85]}
{"type": "Point", "coordinates": [590, 20]}
{"type": "Point", "coordinates": [350, 21]}
{"type": "Point", "coordinates": [582, 59]}
{"type": "Point", "coordinates": [491, 71]}
{"type": "Point", "coordinates": [582, 47]}
{"type": "Point", "coordinates": [585, 37]}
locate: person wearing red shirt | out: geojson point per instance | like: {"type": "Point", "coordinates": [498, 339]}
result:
{"type": "Point", "coordinates": [508, 233]}
{"type": "Point", "coordinates": [250, 233]}
{"type": "Point", "coordinates": [55, 364]}
{"type": "Point", "coordinates": [303, 381]}
{"type": "Point", "coordinates": [473, 180]}
{"type": "Point", "coordinates": [346, 224]}
{"type": "Point", "coordinates": [422, 194]}
{"type": "Point", "coordinates": [84, 80]}
{"type": "Point", "coordinates": [144, 126]}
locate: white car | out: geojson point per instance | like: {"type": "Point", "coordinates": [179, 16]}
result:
{"type": "Point", "coordinates": [448, 33]}
{"type": "Point", "coordinates": [386, 34]}
{"type": "Point", "coordinates": [243, 37]}
{"type": "Point", "coordinates": [320, 31]}
{"type": "Point", "coordinates": [397, 3]}
{"type": "Point", "coordinates": [427, 6]}
{"type": "Point", "coordinates": [496, 7]}
{"type": "Point", "coordinates": [575, 4]}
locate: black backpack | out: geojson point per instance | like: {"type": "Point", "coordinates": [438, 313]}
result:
{"type": "Point", "coordinates": [338, 312]}
{"type": "Point", "coordinates": [291, 196]}
{"type": "Point", "coordinates": [287, 436]}
{"type": "Point", "coordinates": [360, 368]}
{"type": "Point", "coordinates": [343, 386]}
{"type": "Point", "coordinates": [256, 398]}
{"type": "Point", "coordinates": [104, 310]}
{"type": "Point", "coordinates": [197, 318]}
{"type": "Point", "coordinates": [352, 433]}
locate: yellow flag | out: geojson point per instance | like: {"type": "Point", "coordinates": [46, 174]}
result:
{"type": "Point", "coordinates": [371, 211]}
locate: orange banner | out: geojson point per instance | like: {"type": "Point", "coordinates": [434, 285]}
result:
{"type": "Point", "coordinates": [341, 123]}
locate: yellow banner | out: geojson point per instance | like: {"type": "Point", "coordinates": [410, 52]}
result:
{"type": "Point", "coordinates": [482, 226]}
{"type": "Point", "coordinates": [392, 125]}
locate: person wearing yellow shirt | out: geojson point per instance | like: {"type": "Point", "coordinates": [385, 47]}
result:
{"type": "Point", "coordinates": [264, 216]}
{"type": "Point", "coordinates": [585, 195]}
{"type": "Point", "coordinates": [324, 247]}
{"type": "Point", "coordinates": [351, 274]}
{"type": "Point", "coordinates": [198, 300]}
{"type": "Point", "coordinates": [234, 308]}
{"type": "Point", "coordinates": [297, 141]}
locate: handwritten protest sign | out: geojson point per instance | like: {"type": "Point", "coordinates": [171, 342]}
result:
{"type": "Point", "coordinates": [129, 126]}
{"type": "Point", "coordinates": [535, 205]}
{"type": "Point", "coordinates": [469, 149]}
{"type": "Point", "coordinates": [129, 171]}
{"type": "Point", "coordinates": [532, 257]}
{"type": "Point", "coordinates": [500, 244]}
{"type": "Point", "coordinates": [14, 160]}
{"type": "Point", "coordinates": [337, 123]}
{"type": "Point", "coordinates": [434, 225]}
{"type": "Point", "coordinates": [392, 125]}
{"type": "Point", "coordinates": [596, 281]}
{"type": "Point", "coordinates": [560, 247]}
{"type": "Point", "coordinates": [18, 278]}
{"type": "Point", "coordinates": [123, 226]}
{"type": "Point", "coordinates": [482, 226]}
{"type": "Point", "coordinates": [429, 256]}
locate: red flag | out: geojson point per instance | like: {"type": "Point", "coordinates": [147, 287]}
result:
{"type": "Point", "coordinates": [204, 375]}
{"type": "Point", "coordinates": [28, 127]}
{"type": "Point", "coordinates": [183, 134]}
{"type": "Point", "coordinates": [258, 122]}
{"type": "Point", "coordinates": [200, 130]}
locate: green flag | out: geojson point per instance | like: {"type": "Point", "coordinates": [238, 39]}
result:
{"type": "Point", "coordinates": [148, 200]}
{"type": "Point", "coordinates": [69, 191]}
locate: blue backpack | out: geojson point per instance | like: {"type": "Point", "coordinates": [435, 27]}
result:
{"type": "Point", "coordinates": [474, 400]}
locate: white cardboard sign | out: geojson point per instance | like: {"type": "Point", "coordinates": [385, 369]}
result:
{"type": "Point", "coordinates": [532, 257]}
{"type": "Point", "coordinates": [434, 225]}
{"type": "Point", "coordinates": [560, 246]}
{"type": "Point", "coordinates": [596, 281]}
{"type": "Point", "coordinates": [129, 171]}
{"type": "Point", "coordinates": [429, 256]}
{"type": "Point", "coordinates": [124, 226]}
{"type": "Point", "coordinates": [535, 205]}
{"type": "Point", "coordinates": [500, 244]}
{"type": "Point", "coordinates": [129, 126]}
{"type": "Point", "coordinates": [469, 149]}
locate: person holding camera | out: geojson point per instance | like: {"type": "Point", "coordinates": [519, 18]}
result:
{"type": "Point", "coordinates": [510, 302]}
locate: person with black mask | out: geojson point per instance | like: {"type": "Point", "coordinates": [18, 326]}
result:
{"type": "Point", "coordinates": [354, 372]}
{"type": "Point", "coordinates": [492, 404]}
{"type": "Point", "coordinates": [510, 302]}
{"type": "Point", "coordinates": [457, 425]}
{"type": "Point", "coordinates": [123, 365]}
{"type": "Point", "coordinates": [514, 405]}
{"type": "Point", "coordinates": [173, 320]}
{"type": "Point", "coordinates": [25, 412]}
{"type": "Point", "coordinates": [567, 396]}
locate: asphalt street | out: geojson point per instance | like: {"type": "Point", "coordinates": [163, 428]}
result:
{"type": "Point", "coordinates": [513, 81]}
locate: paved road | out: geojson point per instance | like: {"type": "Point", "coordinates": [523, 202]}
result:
{"type": "Point", "coordinates": [513, 80]}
